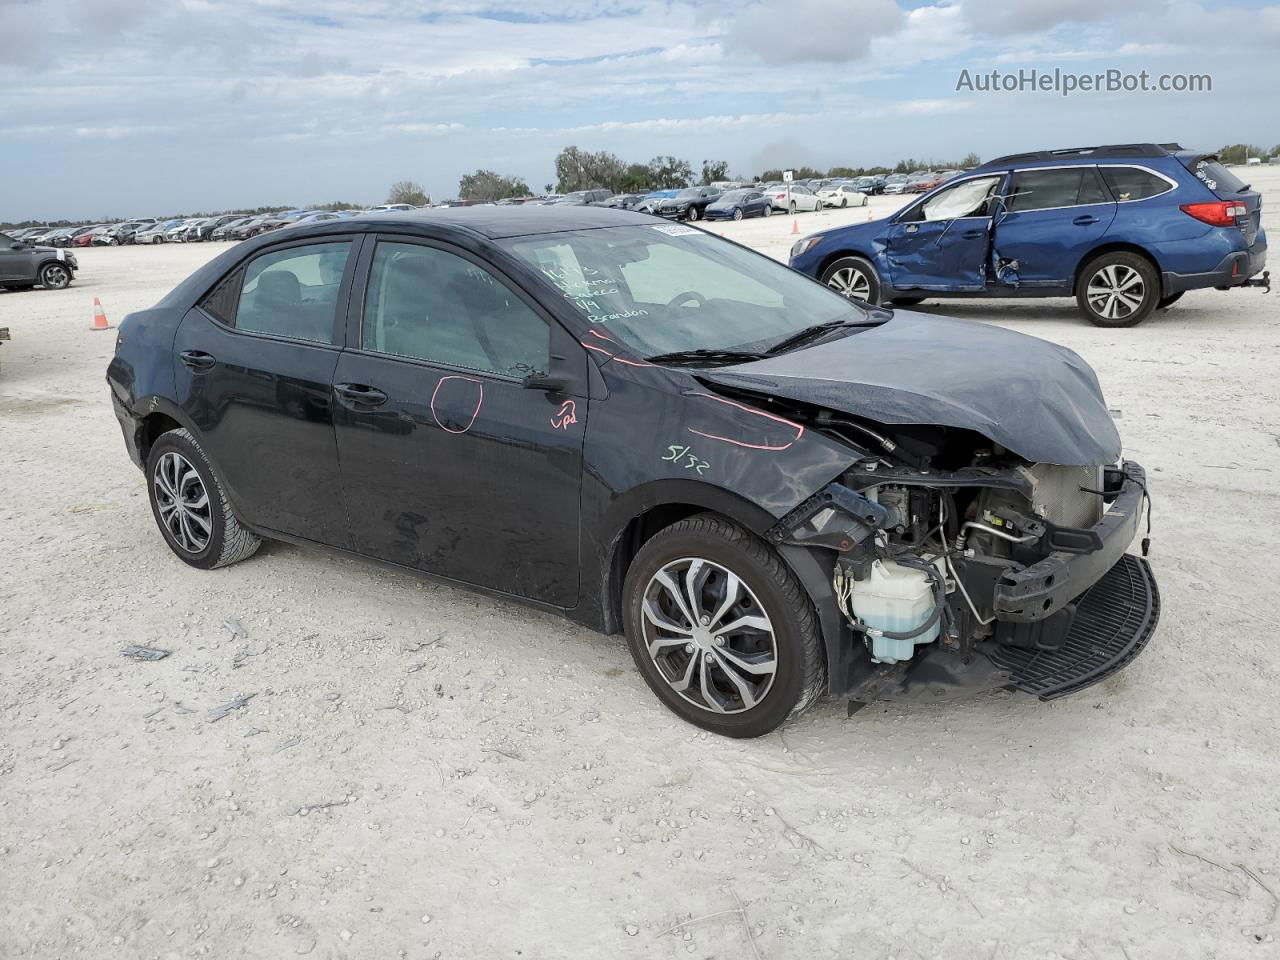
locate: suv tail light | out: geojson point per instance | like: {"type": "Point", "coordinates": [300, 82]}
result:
{"type": "Point", "coordinates": [1220, 213]}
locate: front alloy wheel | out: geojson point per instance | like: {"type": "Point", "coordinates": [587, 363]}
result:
{"type": "Point", "coordinates": [720, 629]}
{"type": "Point", "coordinates": [854, 278]}
{"type": "Point", "coordinates": [55, 276]}
{"type": "Point", "coordinates": [708, 636]}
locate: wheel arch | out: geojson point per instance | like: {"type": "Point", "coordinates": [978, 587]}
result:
{"type": "Point", "coordinates": [831, 258]}
{"type": "Point", "coordinates": [657, 506]}
{"type": "Point", "coordinates": [1114, 246]}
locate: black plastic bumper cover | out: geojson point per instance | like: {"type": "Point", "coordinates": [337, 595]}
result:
{"type": "Point", "coordinates": [1112, 625]}
{"type": "Point", "coordinates": [1043, 588]}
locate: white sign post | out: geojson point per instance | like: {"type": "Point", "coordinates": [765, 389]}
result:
{"type": "Point", "coordinates": [786, 178]}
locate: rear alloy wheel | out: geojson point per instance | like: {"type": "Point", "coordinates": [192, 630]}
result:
{"type": "Point", "coordinates": [768, 210]}
{"type": "Point", "coordinates": [792, 208]}
{"type": "Point", "coordinates": [737, 213]}
{"type": "Point", "coordinates": [1118, 290]}
{"type": "Point", "coordinates": [720, 629]}
{"type": "Point", "coordinates": [854, 278]}
{"type": "Point", "coordinates": [844, 202]}
{"type": "Point", "coordinates": [55, 276]}
{"type": "Point", "coordinates": [190, 507]}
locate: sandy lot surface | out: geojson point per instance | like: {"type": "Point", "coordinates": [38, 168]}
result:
{"type": "Point", "coordinates": [420, 772]}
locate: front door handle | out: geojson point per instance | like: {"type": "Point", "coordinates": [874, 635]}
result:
{"type": "Point", "coordinates": [1085, 220]}
{"type": "Point", "coordinates": [973, 234]}
{"type": "Point", "coordinates": [198, 360]}
{"type": "Point", "coordinates": [359, 393]}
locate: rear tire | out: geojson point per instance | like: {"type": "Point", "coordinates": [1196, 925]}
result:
{"type": "Point", "coordinates": [1118, 289]}
{"type": "Point", "coordinates": [792, 208]}
{"type": "Point", "coordinates": [853, 277]}
{"type": "Point", "coordinates": [770, 668]}
{"type": "Point", "coordinates": [768, 210]}
{"type": "Point", "coordinates": [191, 508]}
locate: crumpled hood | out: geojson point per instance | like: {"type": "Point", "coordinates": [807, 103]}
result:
{"type": "Point", "coordinates": [1033, 397]}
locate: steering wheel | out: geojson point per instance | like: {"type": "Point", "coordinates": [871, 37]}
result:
{"type": "Point", "coordinates": [682, 298]}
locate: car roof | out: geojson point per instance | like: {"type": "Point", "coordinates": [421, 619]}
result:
{"type": "Point", "coordinates": [496, 223]}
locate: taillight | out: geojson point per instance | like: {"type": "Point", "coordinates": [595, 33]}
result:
{"type": "Point", "coordinates": [1220, 213]}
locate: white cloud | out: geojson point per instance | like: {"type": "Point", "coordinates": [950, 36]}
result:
{"type": "Point", "coordinates": [813, 31]}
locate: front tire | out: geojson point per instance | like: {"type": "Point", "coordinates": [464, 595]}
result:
{"type": "Point", "coordinates": [191, 508]}
{"type": "Point", "coordinates": [737, 213]}
{"type": "Point", "coordinates": [55, 276]}
{"type": "Point", "coordinates": [854, 278]}
{"type": "Point", "coordinates": [1118, 289]}
{"type": "Point", "coordinates": [720, 628]}
{"type": "Point", "coordinates": [692, 214]}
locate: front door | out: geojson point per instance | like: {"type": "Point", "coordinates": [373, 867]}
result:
{"type": "Point", "coordinates": [254, 369]}
{"type": "Point", "coordinates": [1054, 217]}
{"type": "Point", "coordinates": [17, 262]}
{"type": "Point", "coordinates": [941, 242]}
{"type": "Point", "coordinates": [449, 463]}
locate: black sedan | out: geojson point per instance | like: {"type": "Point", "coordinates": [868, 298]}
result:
{"type": "Point", "coordinates": [688, 204]}
{"type": "Point", "coordinates": [738, 205]}
{"type": "Point", "coordinates": [774, 492]}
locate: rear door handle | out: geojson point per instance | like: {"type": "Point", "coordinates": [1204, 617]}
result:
{"type": "Point", "coordinates": [361, 394]}
{"type": "Point", "coordinates": [1085, 220]}
{"type": "Point", "coordinates": [198, 360]}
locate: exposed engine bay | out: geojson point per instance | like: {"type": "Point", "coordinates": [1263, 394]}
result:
{"type": "Point", "coordinates": [953, 550]}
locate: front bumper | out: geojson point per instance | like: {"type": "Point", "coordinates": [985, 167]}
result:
{"type": "Point", "coordinates": [1040, 590]}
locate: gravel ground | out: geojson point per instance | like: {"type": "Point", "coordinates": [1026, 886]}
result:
{"type": "Point", "coordinates": [421, 772]}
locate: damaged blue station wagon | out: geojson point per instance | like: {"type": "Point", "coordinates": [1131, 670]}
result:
{"type": "Point", "coordinates": [1124, 229]}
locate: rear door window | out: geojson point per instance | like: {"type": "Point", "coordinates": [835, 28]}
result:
{"type": "Point", "coordinates": [1049, 189]}
{"type": "Point", "coordinates": [1132, 183]}
{"type": "Point", "coordinates": [291, 293]}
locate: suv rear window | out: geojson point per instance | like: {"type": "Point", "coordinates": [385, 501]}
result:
{"type": "Point", "coordinates": [1218, 178]}
{"type": "Point", "coordinates": [1131, 183]}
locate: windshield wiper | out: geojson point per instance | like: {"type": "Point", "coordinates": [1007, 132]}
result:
{"type": "Point", "coordinates": [815, 331]}
{"type": "Point", "coordinates": [705, 357]}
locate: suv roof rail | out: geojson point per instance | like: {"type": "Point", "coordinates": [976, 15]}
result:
{"type": "Point", "coordinates": [1110, 151]}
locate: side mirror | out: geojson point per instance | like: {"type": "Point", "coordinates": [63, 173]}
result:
{"type": "Point", "coordinates": [549, 382]}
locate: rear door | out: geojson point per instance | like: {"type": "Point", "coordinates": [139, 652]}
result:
{"type": "Point", "coordinates": [1052, 219]}
{"type": "Point", "coordinates": [449, 463]}
{"type": "Point", "coordinates": [941, 242]}
{"type": "Point", "coordinates": [253, 367]}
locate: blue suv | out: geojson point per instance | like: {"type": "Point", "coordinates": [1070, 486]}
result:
{"type": "Point", "coordinates": [1124, 229]}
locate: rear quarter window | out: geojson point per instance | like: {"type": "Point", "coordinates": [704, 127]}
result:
{"type": "Point", "coordinates": [1131, 183]}
{"type": "Point", "coordinates": [1218, 178]}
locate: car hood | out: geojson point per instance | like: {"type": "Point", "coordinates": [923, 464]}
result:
{"type": "Point", "coordinates": [1035, 398]}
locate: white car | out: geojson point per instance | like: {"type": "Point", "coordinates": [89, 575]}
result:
{"type": "Point", "coordinates": [155, 234]}
{"type": "Point", "coordinates": [799, 198]}
{"type": "Point", "coordinates": [178, 234]}
{"type": "Point", "coordinates": [842, 195]}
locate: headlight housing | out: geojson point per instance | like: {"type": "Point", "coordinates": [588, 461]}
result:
{"type": "Point", "coordinates": [804, 246]}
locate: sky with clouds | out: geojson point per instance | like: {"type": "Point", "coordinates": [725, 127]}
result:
{"type": "Point", "coordinates": [135, 107]}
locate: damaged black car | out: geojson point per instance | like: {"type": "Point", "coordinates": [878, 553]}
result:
{"type": "Point", "coordinates": [776, 493]}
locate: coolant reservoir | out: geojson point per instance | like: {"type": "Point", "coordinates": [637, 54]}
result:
{"type": "Point", "coordinates": [894, 598]}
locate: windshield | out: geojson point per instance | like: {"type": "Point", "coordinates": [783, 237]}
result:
{"type": "Point", "coordinates": [687, 193]}
{"type": "Point", "coordinates": [734, 196]}
{"type": "Point", "coordinates": [664, 288]}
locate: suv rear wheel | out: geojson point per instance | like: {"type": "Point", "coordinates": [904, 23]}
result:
{"type": "Point", "coordinates": [190, 507]}
{"type": "Point", "coordinates": [1118, 289]}
{"type": "Point", "coordinates": [720, 628]}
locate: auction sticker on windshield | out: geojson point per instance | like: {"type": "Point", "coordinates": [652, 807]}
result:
{"type": "Point", "coordinates": [675, 230]}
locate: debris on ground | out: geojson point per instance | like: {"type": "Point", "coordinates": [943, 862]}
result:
{"type": "Point", "coordinates": [217, 713]}
{"type": "Point", "coordinates": [136, 652]}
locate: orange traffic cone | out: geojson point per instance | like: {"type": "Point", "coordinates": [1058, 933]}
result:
{"type": "Point", "coordinates": [868, 213]}
{"type": "Point", "coordinates": [99, 316]}
{"type": "Point", "coordinates": [795, 227]}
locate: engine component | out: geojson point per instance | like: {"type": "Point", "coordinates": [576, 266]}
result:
{"type": "Point", "coordinates": [893, 599]}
